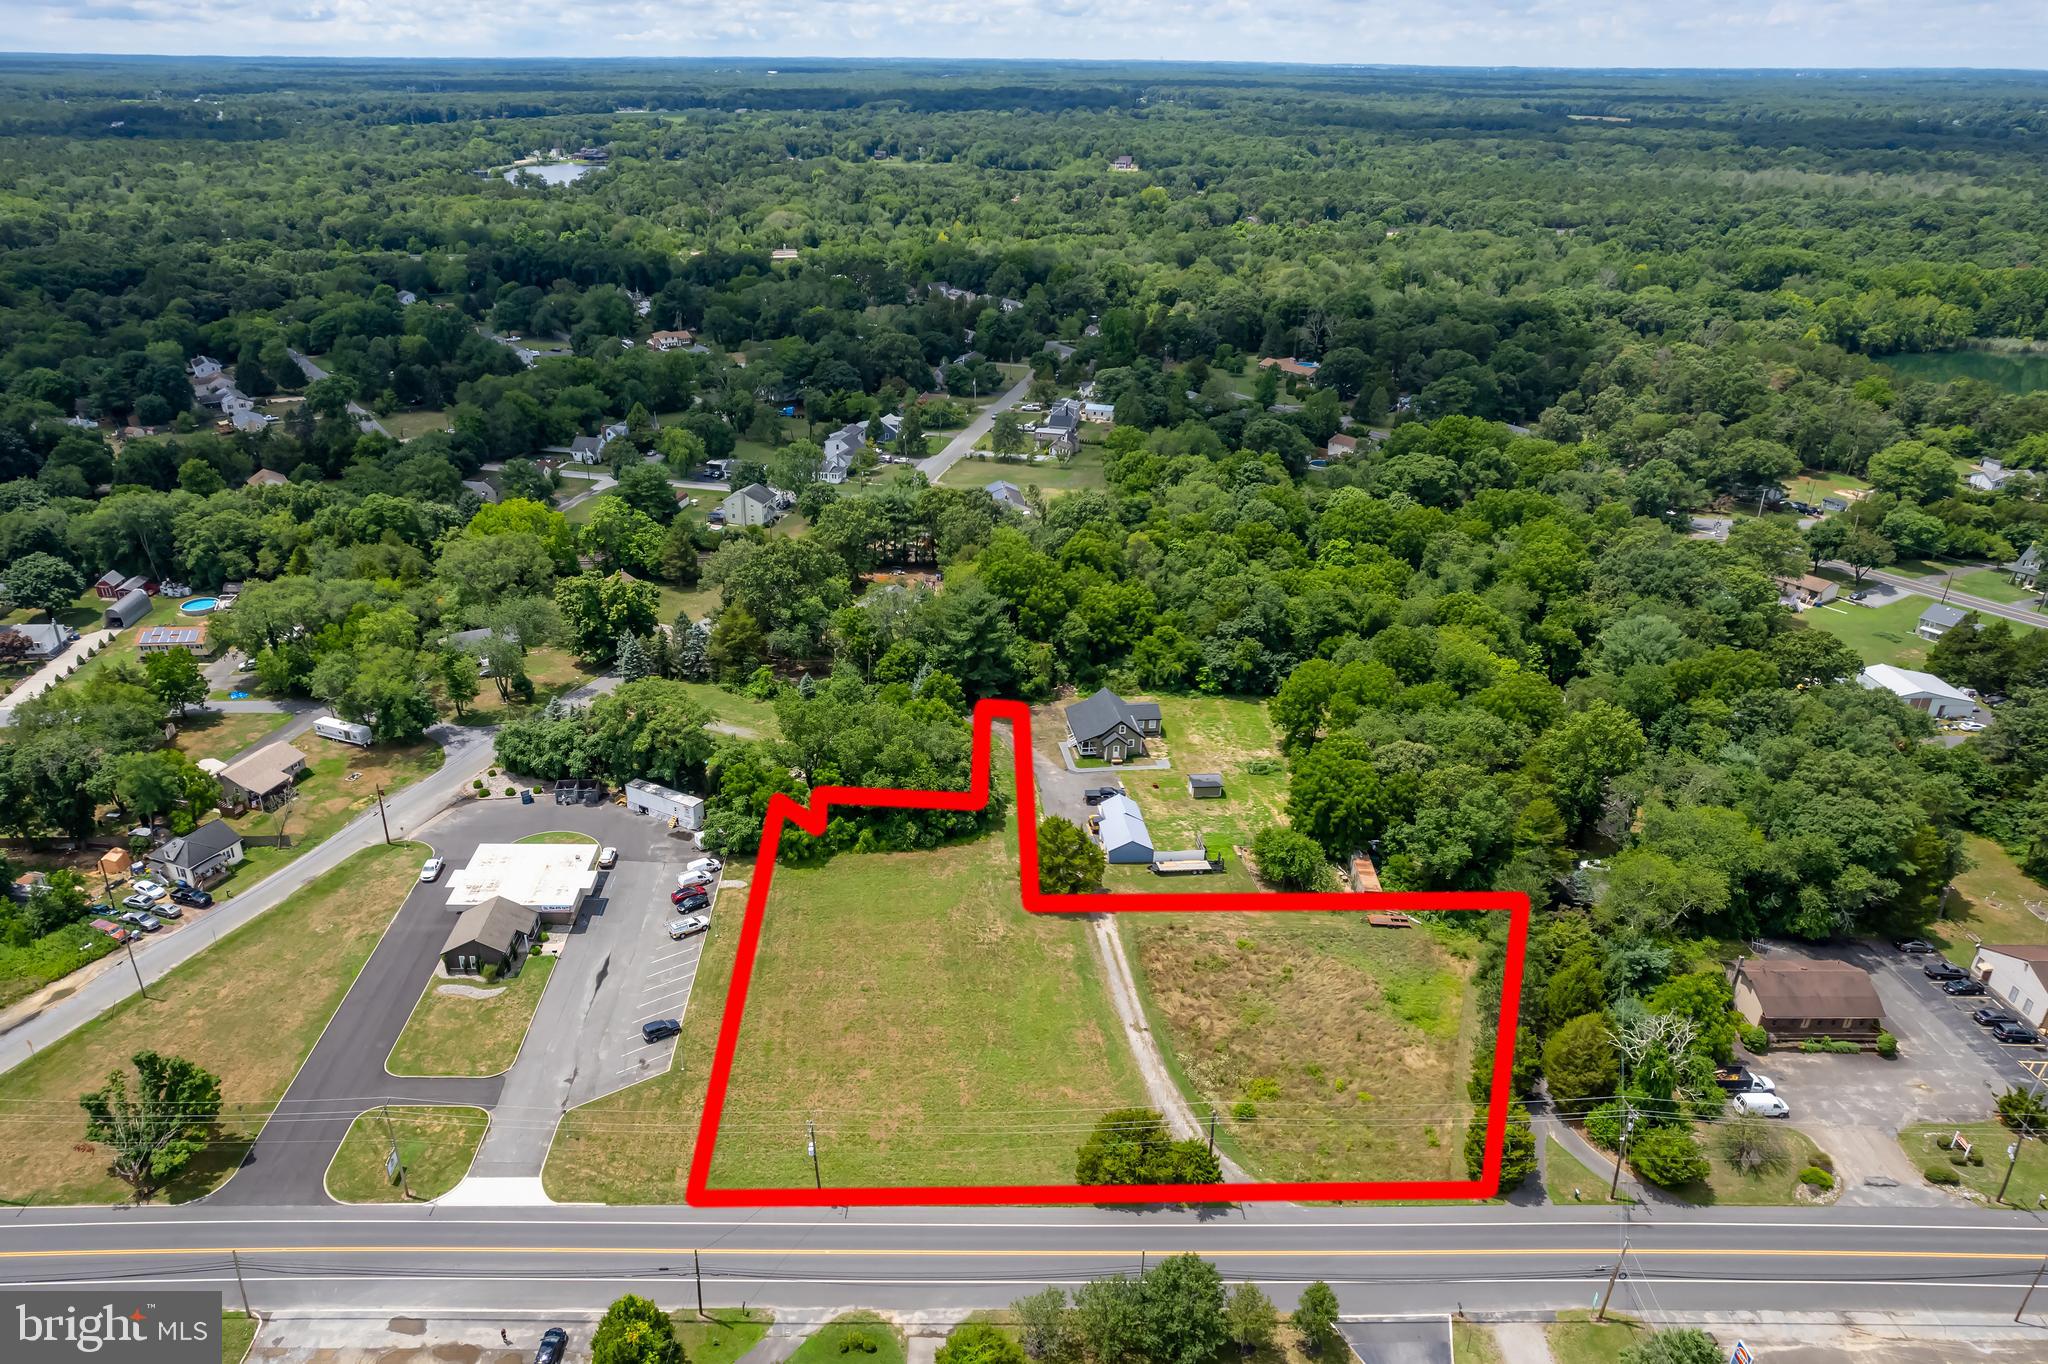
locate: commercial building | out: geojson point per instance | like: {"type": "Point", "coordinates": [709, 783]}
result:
{"type": "Point", "coordinates": [1805, 998]}
{"type": "Point", "coordinates": [1921, 691]}
{"type": "Point", "coordinates": [2018, 975]}
{"type": "Point", "coordinates": [679, 808]}
{"type": "Point", "coordinates": [551, 879]}
{"type": "Point", "coordinates": [495, 934]}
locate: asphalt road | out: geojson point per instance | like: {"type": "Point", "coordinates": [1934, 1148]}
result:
{"type": "Point", "coordinates": [934, 467]}
{"type": "Point", "coordinates": [466, 752]}
{"type": "Point", "coordinates": [1962, 1266]}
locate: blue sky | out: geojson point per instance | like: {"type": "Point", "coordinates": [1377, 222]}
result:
{"type": "Point", "coordinates": [1776, 33]}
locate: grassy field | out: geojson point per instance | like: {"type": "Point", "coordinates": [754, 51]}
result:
{"type": "Point", "coordinates": [122, 648]}
{"type": "Point", "coordinates": [1878, 634]}
{"type": "Point", "coordinates": [435, 1145]}
{"type": "Point", "coordinates": [730, 1333]}
{"type": "Point", "coordinates": [462, 1035]}
{"type": "Point", "coordinates": [249, 1010]}
{"type": "Point", "coordinates": [552, 671]}
{"type": "Point", "coordinates": [862, 1336]}
{"type": "Point", "coordinates": [1990, 904]}
{"type": "Point", "coordinates": [2029, 1179]}
{"type": "Point", "coordinates": [213, 734]}
{"type": "Point", "coordinates": [1992, 585]}
{"type": "Point", "coordinates": [735, 709]}
{"type": "Point", "coordinates": [406, 425]}
{"type": "Point", "coordinates": [1575, 1338]}
{"type": "Point", "coordinates": [1328, 1049]}
{"type": "Point", "coordinates": [1083, 473]}
{"type": "Point", "coordinates": [1814, 484]}
{"type": "Point", "coordinates": [935, 1032]}
{"type": "Point", "coordinates": [1565, 1175]}
{"type": "Point", "coordinates": [1472, 1343]}
{"type": "Point", "coordinates": [558, 836]}
{"type": "Point", "coordinates": [340, 782]}
{"type": "Point", "coordinates": [600, 1154]}
{"type": "Point", "coordinates": [83, 615]}
{"type": "Point", "coordinates": [1772, 1186]}
{"type": "Point", "coordinates": [237, 1330]}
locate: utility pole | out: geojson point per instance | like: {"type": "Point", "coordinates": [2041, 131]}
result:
{"type": "Point", "coordinates": [1628, 1127]}
{"type": "Point", "coordinates": [811, 1141]}
{"type": "Point", "coordinates": [697, 1268]}
{"type": "Point", "coordinates": [404, 1179]}
{"type": "Point", "coordinates": [1212, 1129]}
{"type": "Point", "coordinates": [2012, 1161]}
{"type": "Point", "coordinates": [2030, 1289]}
{"type": "Point", "coordinates": [1607, 1295]}
{"type": "Point", "coordinates": [236, 1257]}
{"type": "Point", "coordinates": [129, 943]}
{"type": "Point", "coordinates": [382, 816]}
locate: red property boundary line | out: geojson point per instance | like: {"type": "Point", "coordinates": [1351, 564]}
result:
{"type": "Point", "coordinates": [811, 819]}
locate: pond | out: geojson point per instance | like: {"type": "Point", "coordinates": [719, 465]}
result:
{"type": "Point", "coordinates": [2012, 371]}
{"type": "Point", "coordinates": [560, 173]}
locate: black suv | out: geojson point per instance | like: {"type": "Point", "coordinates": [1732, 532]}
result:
{"type": "Point", "coordinates": [1987, 1016]}
{"type": "Point", "coordinates": [1962, 987]}
{"type": "Point", "coordinates": [656, 1029]}
{"type": "Point", "coordinates": [1943, 970]}
{"type": "Point", "coordinates": [2015, 1032]}
{"type": "Point", "coordinates": [554, 1343]}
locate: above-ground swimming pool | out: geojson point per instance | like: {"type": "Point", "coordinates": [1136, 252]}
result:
{"type": "Point", "coordinates": [199, 606]}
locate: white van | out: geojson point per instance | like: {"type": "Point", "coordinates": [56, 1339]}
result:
{"type": "Point", "coordinates": [327, 727]}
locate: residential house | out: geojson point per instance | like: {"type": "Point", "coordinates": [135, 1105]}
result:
{"type": "Point", "coordinates": [782, 253]}
{"type": "Point", "coordinates": [46, 639]}
{"type": "Point", "coordinates": [1842, 501]}
{"type": "Point", "coordinates": [1799, 999]}
{"type": "Point", "coordinates": [2018, 975]}
{"type": "Point", "coordinates": [1009, 497]}
{"type": "Point", "coordinates": [1921, 691]}
{"type": "Point", "coordinates": [132, 607]}
{"type": "Point", "coordinates": [1287, 364]}
{"type": "Point", "coordinates": [1937, 620]}
{"type": "Point", "coordinates": [2026, 570]}
{"type": "Point", "coordinates": [200, 856]}
{"type": "Point", "coordinates": [406, 298]}
{"type": "Point", "coordinates": [670, 340]}
{"type": "Point", "coordinates": [1341, 446]}
{"type": "Point", "coordinates": [1205, 785]}
{"type": "Point", "coordinates": [1809, 590]}
{"type": "Point", "coordinates": [249, 419]}
{"type": "Point", "coordinates": [1989, 476]}
{"type": "Point", "coordinates": [202, 367]}
{"type": "Point", "coordinates": [263, 778]}
{"type": "Point", "coordinates": [264, 478]}
{"type": "Point", "coordinates": [1124, 164]}
{"type": "Point", "coordinates": [1063, 422]}
{"type": "Point", "coordinates": [1120, 828]}
{"type": "Point", "coordinates": [753, 505]}
{"type": "Point", "coordinates": [161, 639]}
{"type": "Point", "coordinates": [1101, 414]}
{"type": "Point", "coordinates": [1107, 726]}
{"type": "Point", "coordinates": [494, 934]}
{"type": "Point", "coordinates": [586, 449]}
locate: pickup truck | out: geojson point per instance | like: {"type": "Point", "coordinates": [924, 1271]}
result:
{"type": "Point", "coordinates": [1739, 1080]}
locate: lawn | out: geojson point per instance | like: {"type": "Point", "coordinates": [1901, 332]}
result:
{"type": "Point", "coordinates": [215, 734]}
{"type": "Point", "coordinates": [694, 602]}
{"type": "Point", "coordinates": [552, 671]}
{"type": "Point", "coordinates": [237, 1331]}
{"type": "Point", "coordinates": [339, 783]}
{"type": "Point", "coordinates": [1994, 901]}
{"type": "Point", "coordinates": [1814, 484]}
{"type": "Point", "coordinates": [1878, 634]}
{"type": "Point", "coordinates": [1772, 1186]}
{"type": "Point", "coordinates": [600, 1154]}
{"type": "Point", "coordinates": [435, 1145]}
{"type": "Point", "coordinates": [1575, 1338]}
{"type": "Point", "coordinates": [1472, 1343]}
{"type": "Point", "coordinates": [1328, 1049]}
{"type": "Point", "coordinates": [122, 648]}
{"type": "Point", "coordinates": [248, 1010]}
{"type": "Point", "coordinates": [83, 615]}
{"type": "Point", "coordinates": [2029, 1179]}
{"type": "Point", "coordinates": [736, 709]}
{"type": "Point", "coordinates": [935, 1032]}
{"type": "Point", "coordinates": [1567, 1180]}
{"type": "Point", "coordinates": [1083, 473]}
{"type": "Point", "coordinates": [406, 425]}
{"type": "Point", "coordinates": [729, 1334]}
{"type": "Point", "coordinates": [455, 1034]}
{"type": "Point", "coordinates": [861, 1335]}
{"type": "Point", "coordinates": [563, 836]}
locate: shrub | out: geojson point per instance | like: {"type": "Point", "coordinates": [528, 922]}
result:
{"type": "Point", "coordinates": [1668, 1157]}
{"type": "Point", "coordinates": [1755, 1038]}
{"type": "Point", "coordinates": [1976, 1156]}
{"type": "Point", "coordinates": [1828, 1045]}
{"type": "Point", "coordinates": [1958, 1158]}
{"type": "Point", "coordinates": [1941, 1174]}
{"type": "Point", "coordinates": [1815, 1177]}
{"type": "Point", "coordinates": [478, 784]}
{"type": "Point", "coordinates": [1887, 1045]}
{"type": "Point", "coordinates": [2022, 1110]}
{"type": "Point", "coordinates": [1603, 1125]}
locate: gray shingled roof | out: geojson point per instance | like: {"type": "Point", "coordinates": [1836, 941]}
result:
{"type": "Point", "coordinates": [208, 840]}
{"type": "Point", "coordinates": [1098, 714]}
{"type": "Point", "coordinates": [1947, 617]}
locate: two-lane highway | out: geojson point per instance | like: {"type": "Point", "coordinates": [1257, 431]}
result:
{"type": "Point", "coordinates": [1962, 1264]}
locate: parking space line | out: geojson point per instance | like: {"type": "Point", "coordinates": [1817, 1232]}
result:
{"type": "Point", "coordinates": [687, 968]}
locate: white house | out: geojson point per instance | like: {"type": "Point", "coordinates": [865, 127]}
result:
{"type": "Point", "coordinates": [1120, 827]}
{"type": "Point", "coordinates": [201, 855]}
{"type": "Point", "coordinates": [2018, 975]}
{"type": "Point", "coordinates": [1921, 691]}
{"type": "Point", "coordinates": [1938, 619]}
{"type": "Point", "coordinates": [1009, 497]}
{"type": "Point", "coordinates": [753, 505]}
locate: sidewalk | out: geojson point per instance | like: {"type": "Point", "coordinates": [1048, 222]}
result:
{"type": "Point", "coordinates": [53, 672]}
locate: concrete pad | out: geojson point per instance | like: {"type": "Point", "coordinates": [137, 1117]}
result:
{"type": "Point", "coordinates": [493, 1191]}
{"type": "Point", "coordinates": [1427, 1341]}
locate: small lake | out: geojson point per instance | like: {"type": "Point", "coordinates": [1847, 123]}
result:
{"type": "Point", "coordinates": [561, 173]}
{"type": "Point", "coordinates": [2014, 372]}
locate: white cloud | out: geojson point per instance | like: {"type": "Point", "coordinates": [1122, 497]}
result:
{"type": "Point", "coordinates": [1654, 33]}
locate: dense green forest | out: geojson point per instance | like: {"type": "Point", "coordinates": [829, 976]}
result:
{"type": "Point", "coordinates": [1559, 312]}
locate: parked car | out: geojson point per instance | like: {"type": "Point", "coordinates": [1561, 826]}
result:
{"type": "Point", "coordinates": [690, 901]}
{"type": "Point", "coordinates": [696, 890]}
{"type": "Point", "coordinates": [608, 857]}
{"type": "Point", "coordinates": [155, 890]}
{"type": "Point", "coordinates": [1916, 947]}
{"type": "Point", "coordinates": [148, 923]}
{"type": "Point", "coordinates": [1962, 987]}
{"type": "Point", "coordinates": [554, 1343]}
{"type": "Point", "coordinates": [1762, 1105]}
{"type": "Point", "coordinates": [111, 929]}
{"type": "Point", "coordinates": [1740, 1080]}
{"type": "Point", "coordinates": [1988, 1016]}
{"type": "Point", "coordinates": [139, 902]}
{"type": "Point", "coordinates": [707, 866]}
{"type": "Point", "coordinates": [167, 910]}
{"type": "Point", "coordinates": [694, 880]}
{"type": "Point", "coordinates": [1970, 726]}
{"type": "Point", "coordinates": [679, 929]}
{"type": "Point", "coordinates": [2017, 1033]}
{"type": "Point", "coordinates": [430, 870]}
{"type": "Point", "coordinates": [1942, 970]}
{"type": "Point", "coordinates": [1862, 594]}
{"type": "Point", "coordinates": [193, 896]}
{"type": "Point", "coordinates": [656, 1029]}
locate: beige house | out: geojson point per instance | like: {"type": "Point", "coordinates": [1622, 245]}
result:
{"type": "Point", "coordinates": [264, 778]}
{"type": "Point", "coordinates": [1795, 1000]}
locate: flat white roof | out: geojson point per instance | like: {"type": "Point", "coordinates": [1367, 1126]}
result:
{"type": "Point", "coordinates": [1122, 824]}
{"type": "Point", "coordinates": [537, 875]}
{"type": "Point", "coordinates": [1906, 682]}
{"type": "Point", "coordinates": [641, 786]}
